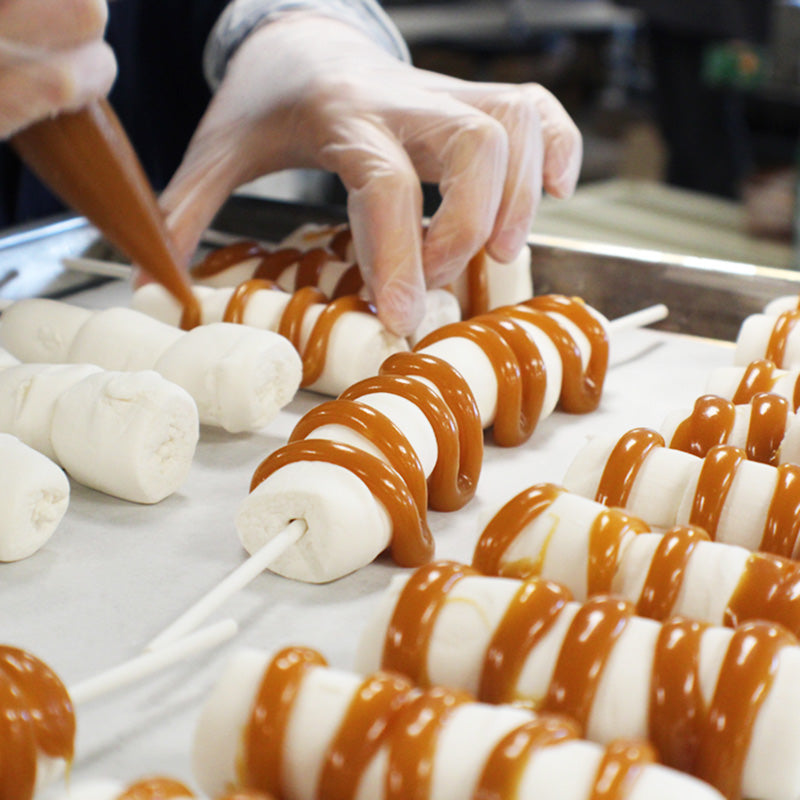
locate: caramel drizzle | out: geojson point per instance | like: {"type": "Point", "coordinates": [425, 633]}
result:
{"type": "Point", "coordinates": [412, 543]}
{"type": "Point", "coordinates": [225, 257]}
{"type": "Point", "coordinates": [518, 367]}
{"type": "Point", "coordinates": [713, 485]}
{"type": "Point", "coordinates": [712, 420]}
{"type": "Point", "coordinates": [759, 376]}
{"type": "Point", "coordinates": [452, 413]}
{"type": "Point", "coordinates": [477, 286]}
{"type": "Point", "coordinates": [623, 465]}
{"type": "Point", "coordinates": [608, 531]}
{"type": "Point", "coordinates": [291, 320]}
{"type": "Point", "coordinates": [387, 711]}
{"type": "Point", "coordinates": [779, 338]}
{"type": "Point", "coordinates": [709, 740]}
{"type": "Point", "coordinates": [37, 717]}
{"type": "Point", "coordinates": [581, 388]}
{"type": "Point", "coordinates": [157, 787]}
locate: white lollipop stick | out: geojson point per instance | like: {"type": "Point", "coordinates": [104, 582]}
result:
{"type": "Point", "coordinates": [640, 318]}
{"type": "Point", "coordinates": [236, 580]}
{"type": "Point", "coordinates": [140, 667]}
{"type": "Point", "coordinates": [96, 266]}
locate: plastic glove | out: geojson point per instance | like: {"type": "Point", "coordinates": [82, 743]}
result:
{"type": "Point", "coordinates": [307, 91]}
{"type": "Point", "coordinates": [52, 58]}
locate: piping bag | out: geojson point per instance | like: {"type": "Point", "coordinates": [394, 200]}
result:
{"type": "Point", "coordinates": [86, 158]}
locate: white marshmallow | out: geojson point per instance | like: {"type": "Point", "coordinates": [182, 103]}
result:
{"type": "Point", "coordinates": [238, 376]}
{"type": "Point", "coordinates": [129, 434]}
{"type": "Point", "coordinates": [28, 395]}
{"type": "Point", "coordinates": [34, 495]}
{"type": "Point", "coordinates": [506, 284]}
{"type": "Point", "coordinates": [753, 340]}
{"type": "Point", "coordinates": [464, 741]}
{"type": "Point", "coordinates": [777, 306]}
{"type": "Point", "coordinates": [347, 526]}
{"type": "Point", "coordinates": [441, 308]}
{"type": "Point", "coordinates": [41, 330]}
{"type": "Point", "coordinates": [7, 360]}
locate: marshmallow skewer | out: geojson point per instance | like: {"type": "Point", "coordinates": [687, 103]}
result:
{"type": "Point", "coordinates": [291, 726]}
{"type": "Point", "coordinates": [721, 704]}
{"type": "Point", "coordinates": [754, 505]}
{"type": "Point", "coordinates": [591, 549]}
{"type": "Point", "coordinates": [238, 376]}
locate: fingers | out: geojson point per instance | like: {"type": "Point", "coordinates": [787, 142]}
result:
{"type": "Point", "coordinates": [385, 207]}
{"type": "Point", "coordinates": [65, 81]}
{"type": "Point", "coordinates": [544, 149]}
{"type": "Point", "coordinates": [48, 26]}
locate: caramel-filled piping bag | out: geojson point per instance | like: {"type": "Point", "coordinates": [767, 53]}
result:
{"type": "Point", "coordinates": [87, 159]}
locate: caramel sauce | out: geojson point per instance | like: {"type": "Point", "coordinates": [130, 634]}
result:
{"type": "Point", "coordinates": [386, 711]}
{"type": "Point", "coordinates": [667, 571]}
{"type": "Point", "coordinates": [580, 388]}
{"type": "Point", "coordinates": [623, 465]}
{"type": "Point", "coordinates": [712, 419]}
{"type": "Point", "coordinates": [709, 424]}
{"type": "Point", "coordinates": [155, 788]}
{"type": "Point", "coordinates": [779, 338]}
{"type": "Point", "coordinates": [477, 286]}
{"type": "Point", "coordinates": [225, 257]}
{"type": "Point", "coordinates": [518, 367]}
{"type": "Point", "coordinates": [713, 484]}
{"type": "Point", "coordinates": [265, 734]}
{"type": "Point", "coordinates": [621, 765]}
{"type": "Point", "coordinates": [37, 717]}
{"type": "Point", "coordinates": [291, 321]}
{"type": "Point", "coordinates": [452, 414]}
{"type": "Point", "coordinates": [412, 543]}
{"type": "Point", "coordinates": [782, 528]}
{"type": "Point", "coordinates": [708, 740]}
{"type": "Point", "coordinates": [759, 376]}
{"type": "Point", "coordinates": [86, 158]}
{"type": "Point", "coordinates": [769, 418]}
{"type": "Point", "coordinates": [768, 589]}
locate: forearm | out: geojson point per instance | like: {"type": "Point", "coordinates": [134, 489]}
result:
{"type": "Point", "coordinates": [241, 17]}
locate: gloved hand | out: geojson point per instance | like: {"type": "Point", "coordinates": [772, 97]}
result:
{"type": "Point", "coordinates": [52, 58]}
{"type": "Point", "coordinates": [308, 91]}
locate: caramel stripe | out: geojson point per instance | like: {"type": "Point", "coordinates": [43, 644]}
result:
{"type": "Point", "coordinates": [608, 530]}
{"type": "Point", "coordinates": [477, 286]}
{"type": "Point", "coordinates": [592, 634]}
{"type": "Point", "coordinates": [506, 525]}
{"type": "Point", "coordinates": [511, 419]}
{"type": "Point", "coordinates": [454, 478]}
{"type": "Point", "coordinates": [710, 423]}
{"type": "Point", "coordinates": [759, 376]}
{"type": "Point", "coordinates": [713, 484]}
{"type": "Point", "coordinates": [225, 257]}
{"type": "Point", "coordinates": [412, 543]}
{"type": "Point", "coordinates": [408, 636]}
{"type": "Point", "coordinates": [363, 731]}
{"type": "Point", "coordinates": [264, 736]}
{"type": "Point", "coordinates": [155, 788]}
{"type": "Point", "coordinates": [529, 617]}
{"type": "Point", "coordinates": [274, 263]}
{"type": "Point", "coordinates": [779, 338]}
{"type": "Point", "coordinates": [623, 465]}
{"type": "Point", "coordinates": [667, 571]}
{"type": "Point", "coordinates": [782, 527]}
{"type": "Point", "coordinates": [620, 768]}
{"type": "Point", "coordinates": [237, 303]}
{"type": "Point", "coordinates": [769, 418]}
{"type": "Point", "coordinates": [581, 388]}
